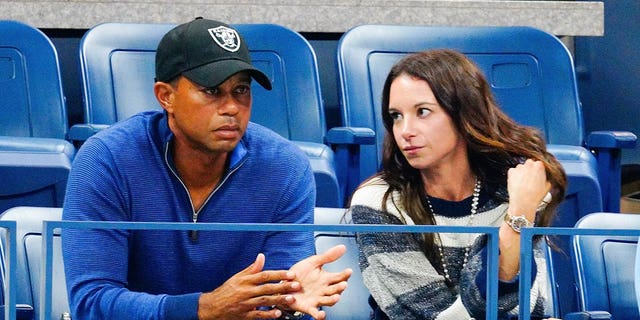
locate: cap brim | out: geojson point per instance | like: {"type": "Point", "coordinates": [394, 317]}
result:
{"type": "Point", "coordinates": [215, 73]}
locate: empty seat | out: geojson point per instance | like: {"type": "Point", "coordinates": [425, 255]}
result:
{"type": "Point", "coordinates": [605, 265]}
{"type": "Point", "coordinates": [35, 158]}
{"type": "Point", "coordinates": [353, 304]}
{"type": "Point", "coordinates": [29, 259]}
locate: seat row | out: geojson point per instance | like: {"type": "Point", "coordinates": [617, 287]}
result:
{"type": "Point", "coordinates": [602, 247]}
{"type": "Point", "coordinates": [531, 73]}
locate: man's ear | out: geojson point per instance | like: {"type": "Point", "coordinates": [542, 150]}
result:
{"type": "Point", "coordinates": [164, 94]}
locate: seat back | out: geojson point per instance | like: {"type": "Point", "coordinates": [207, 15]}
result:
{"type": "Point", "coordinates": [118, 69]}
{"type": "Point", "coordinates": [32, 101]}
{"type": "Point", "coordinates": [353, 304]}
{"type": "Point", "coordinates": [530, 72]}
{"type": "Point", "coordinates": [532, 77]}
{"type": "Point", "coordinates": [605, 265]}
{"type": "Point", "coordinates": [28, 255]}
{"type": "Point", "coordinates": [34, 157]}
{"type": "Point", "coordinates": [581, 198]}
{"type": "Point", "coordinates": [637, 276]}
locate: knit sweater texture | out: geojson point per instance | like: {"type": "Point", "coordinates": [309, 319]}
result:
{"type": "Point", "coordinates": [404, 284]}
{"type": "Point", "coordinates": [126, 173]}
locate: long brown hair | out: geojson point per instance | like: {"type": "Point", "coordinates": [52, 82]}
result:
{"type": "Point", "coordinates": [494, 141]}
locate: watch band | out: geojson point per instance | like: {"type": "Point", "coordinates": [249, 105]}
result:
{"type": "Point", "coordinates": [517, 222]}
{"type": "Point", "coordinates": [290, 314]}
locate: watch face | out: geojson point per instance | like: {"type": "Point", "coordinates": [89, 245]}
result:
{"type": "Point", "coordinates": [518, 222]}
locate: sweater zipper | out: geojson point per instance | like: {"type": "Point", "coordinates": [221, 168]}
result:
{"type": "Point", "coordinates": [193, 234]}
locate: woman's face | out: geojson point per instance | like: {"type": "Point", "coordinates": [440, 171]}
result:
{"type": "Point", "coordinates": [423, 130]}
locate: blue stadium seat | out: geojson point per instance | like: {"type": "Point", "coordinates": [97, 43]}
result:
{"type": "Point", "coordinates": [581, 198]}
{"type": "Point", "coordinates": [29, 259]}
{"type": "Point", "coordinates": [35, 158]}
{"type": "Point", "coordinates": [353, 304]}
{"type": "Point", "coordinates": [517, 62]}
{"type": "Point", "coordinates": [531, 73]}
{"type": "Point", "coordinates": [118, 69]}
{"type": "Point", "coordinates": [637, 276]}
{"type": "Point", "coordinates": [605, 265]}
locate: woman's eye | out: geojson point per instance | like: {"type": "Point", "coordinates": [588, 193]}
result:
{"type": "Point", "coordinates": [422, 112]}
{"type": "Point", "coordinates": [395, 115]}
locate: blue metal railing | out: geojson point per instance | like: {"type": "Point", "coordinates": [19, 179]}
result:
{"type": "Point", "coordinates": [50, 226]}
{"type": "Point", "coordinates": [9, 276]}
{"type": "Point", "coordinates": [526, 256]}
{"type": "Point", "coordinates": [526, 247]}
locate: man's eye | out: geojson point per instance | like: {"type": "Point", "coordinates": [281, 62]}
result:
{"type": "Point", "coordinates": [243, 89]}
{"type": "Point", "coordinates": [211, 91]}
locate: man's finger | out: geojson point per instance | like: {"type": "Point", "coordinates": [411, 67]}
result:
{"type": "Point", "coordinates": [256, 266]}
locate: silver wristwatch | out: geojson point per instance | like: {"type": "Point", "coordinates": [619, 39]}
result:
{"type": "Point", "coordinates": [517, 222]}
{"type": "Point", "coordinates": [290, 315]}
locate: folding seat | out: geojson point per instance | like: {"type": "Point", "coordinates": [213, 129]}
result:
{"type": "Point", "coordinates": [606, 264]}
{"type": "Point", "coordinates": [531, 73]}
{"type": "Point", "coordinates": [118, 69]}
{"type": "Point", "coordinates": [29, 262]}
{"type": "Point", "coordinates": [532, 77]}
{"type": "Point", "coordinates": [637, 277]}
{"type": "Point", "coordinates": [353, 304]}
{"type": "Point", "coordinates": [35, 158]}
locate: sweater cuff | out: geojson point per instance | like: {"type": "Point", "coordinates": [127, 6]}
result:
{"type": "Point", "coordinates": [182, 307]}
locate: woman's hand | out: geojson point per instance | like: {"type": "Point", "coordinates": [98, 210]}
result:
{"type": "Point", "coordinates": [527, 185]}
{"type": "Point", "coordinates": [317, 286]}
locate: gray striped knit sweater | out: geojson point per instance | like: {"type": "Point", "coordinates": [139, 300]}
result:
{"type": "Point", "coordinates": [405, 285]}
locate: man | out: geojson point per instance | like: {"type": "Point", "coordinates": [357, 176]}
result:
{"type": "Point", "coordinates": [199, 160]}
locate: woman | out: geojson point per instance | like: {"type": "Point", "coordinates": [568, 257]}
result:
{"type": "Point", "coordinates": [451, 157]}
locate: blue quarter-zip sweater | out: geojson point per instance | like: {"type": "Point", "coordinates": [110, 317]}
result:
{"type": "Point", "coordinates": [125, 173]}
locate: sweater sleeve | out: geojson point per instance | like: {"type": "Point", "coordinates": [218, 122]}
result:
{"type": "Point", "coordinates": [96, 261]}
{"type": "Point", "coordinates": [474, 284]}
{"type": "Point", "coordinates": [406, 285]}
{"type": "Point", "coordinates": [399, 276]}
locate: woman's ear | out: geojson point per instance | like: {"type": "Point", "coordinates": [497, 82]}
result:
{"type": "Point", "coordinates": [164, 93]}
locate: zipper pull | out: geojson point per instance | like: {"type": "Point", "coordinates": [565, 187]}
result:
{"type": "Point", "coordinates": [193, 234]}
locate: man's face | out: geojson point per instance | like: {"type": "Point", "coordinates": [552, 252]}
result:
{"type": "Point", "coordinates": [211, 120]}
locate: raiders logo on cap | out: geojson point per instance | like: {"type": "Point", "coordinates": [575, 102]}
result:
{"type": "Point", "coordinates": [226, 38]}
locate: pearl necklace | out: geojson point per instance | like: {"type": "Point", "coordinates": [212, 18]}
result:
{"type": "Point", "coordinates": [474, 209]}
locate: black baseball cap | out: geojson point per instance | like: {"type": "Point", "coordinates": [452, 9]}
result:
{"type": "Point", "coordinates": [207, 52]}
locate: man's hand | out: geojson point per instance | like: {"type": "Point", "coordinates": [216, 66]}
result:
{"type": "Point", "coordinates": [318, 287]}
{"type": "Point", "coordinates": [242, 295]}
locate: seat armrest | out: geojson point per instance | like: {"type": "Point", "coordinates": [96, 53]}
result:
{"type": "Point", "coordinates": [607, 145]}
{"type": "Point", "coordinates": [346, 142]}
{"type": "Point", "coordinates": [82, 132]}
{"type": "Point", "coordinates": [23, 312]}
{"type": "Point", "coordinates": [611, 139]}
{"type": "Point", "coordinates": [350, 135]}
{"type": "Point", "coordinates": [588, 315]}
